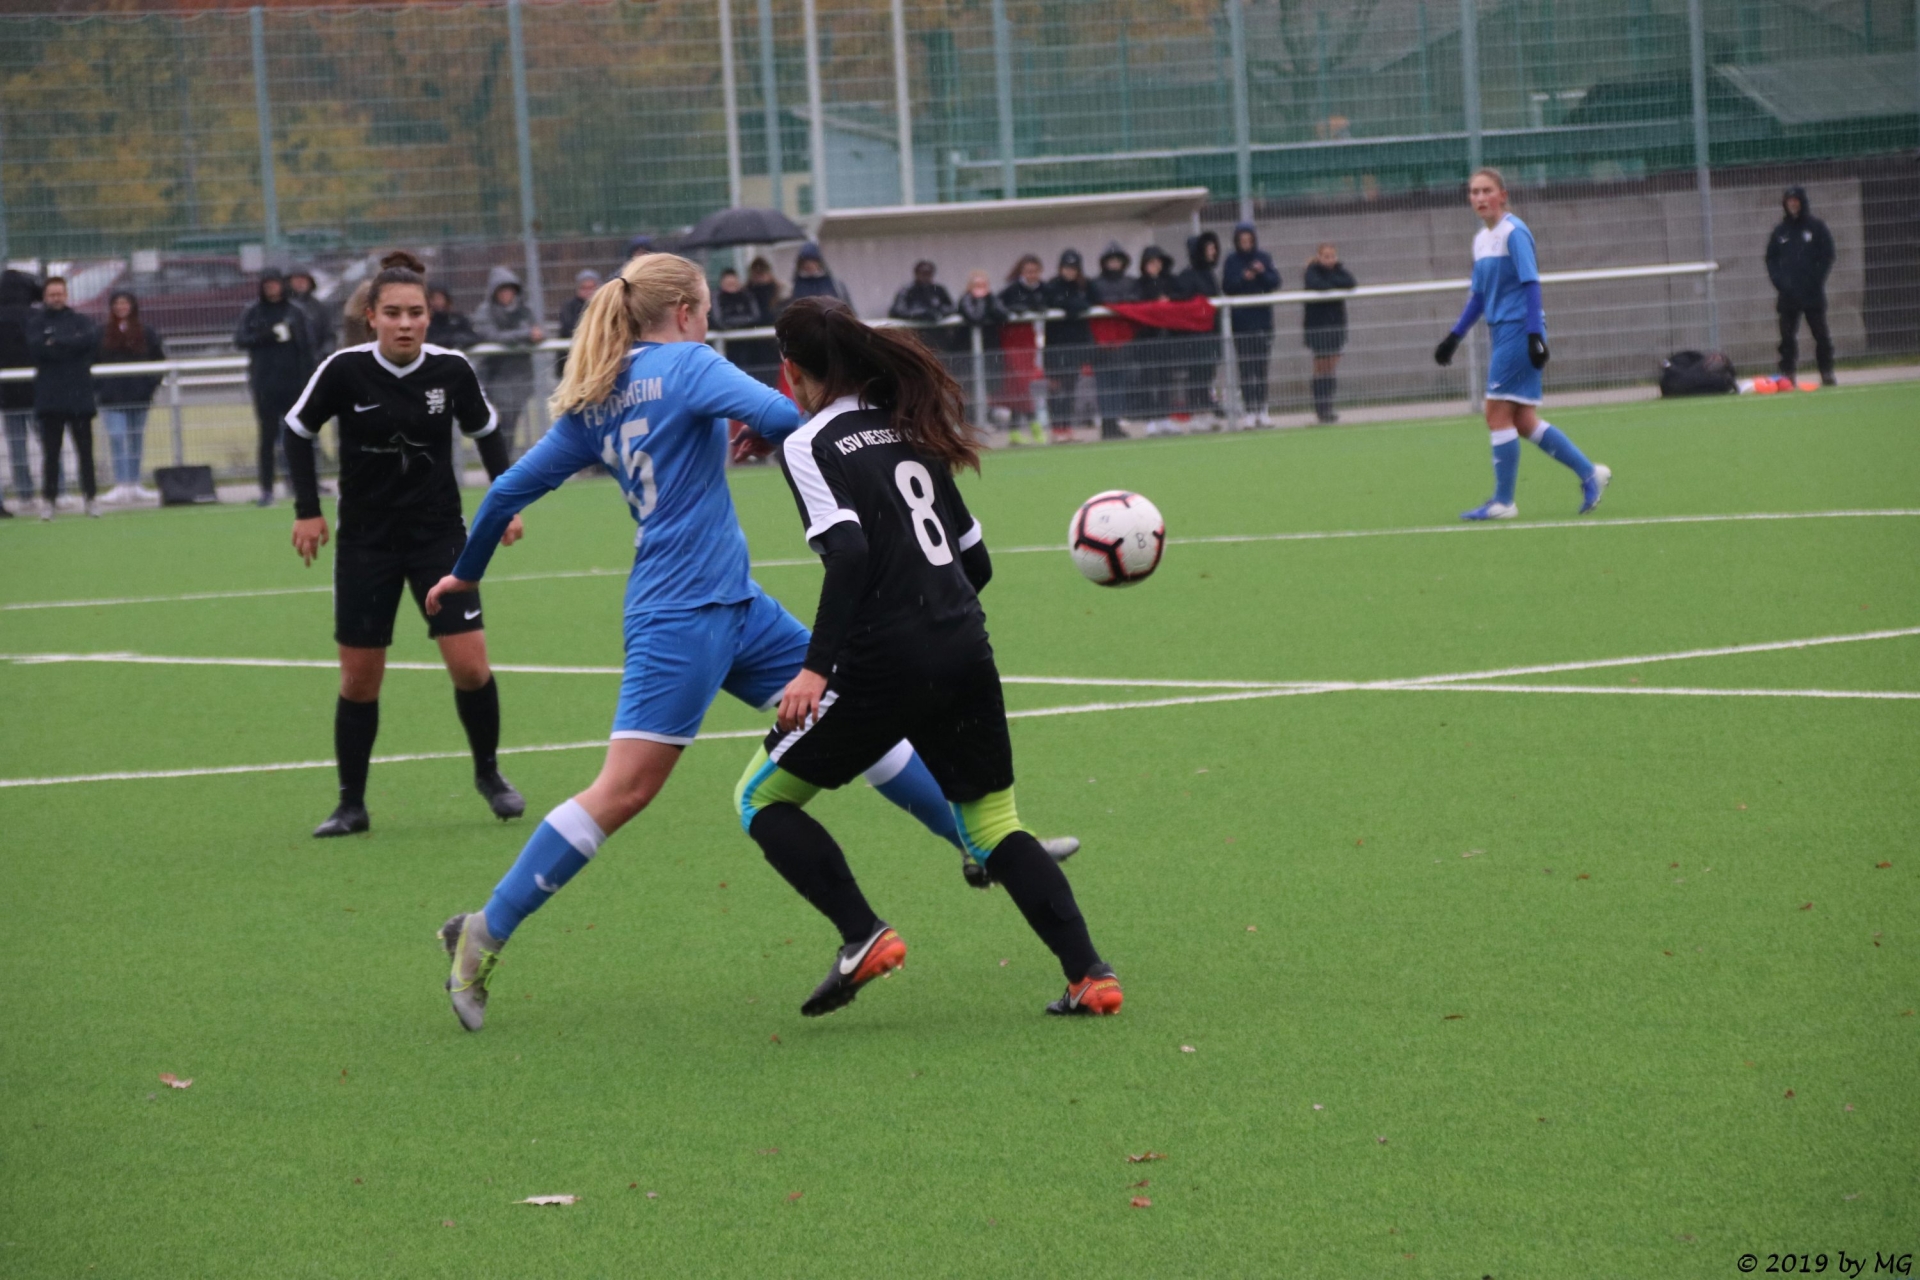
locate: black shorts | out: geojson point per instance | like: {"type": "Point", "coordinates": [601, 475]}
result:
{"type": "Point", "coordinates": [1327, 342]}
{"type": "Point", "coordinates": [956, 721]}
{"type": "Point", "coordinates": [369, 571]}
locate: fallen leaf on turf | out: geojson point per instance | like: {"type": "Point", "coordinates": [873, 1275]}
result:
{"type": "Point", "coordinates": [447, 1222]}
{"type": "Point", "coordinates": [1141, 1202]}
{"type": "Point", "coordinates": [1883, 865]}
{"type": "Point", "coordinates": [1381, 1141]}
{"type": "Point", "coordinates": [356, 1182]}
{"type": "Point", "coordinates": [1252, 929]}
{"type": "Point", "coordinates": [1318, 1107]}
{"type": "Point", "coordinates": [1144, 1157]}
{"type": "Point", "coordinates": [1541, 1119]}
{"type": "Point", "coordinates": [1472, 852]}
{"type": "Point", "coordinates": [1854, 1196]}
{"type": "Point", "coordinates": [1673, 866]}
{"type": "Point", "coordinates": [1789, 1093]}
{"type": "Point", "coordinates": [1583, 876]}
{"type": "Point", "coordinates": [1358, 843]}
{"type": "Point", "coordinates": [774, 1038]}
{"type": "Point", "coordinates": [1740, 806]}
{"type": "Point", "coordinates": [723, 884]}
{"type": "Point", "coordinates": [1003, 964]}
{"type": "Point", "coordinates": [548, 1200]}
{"type": "Point", "coordinates": [653, 1195]}
{"type": "Point", "coordinates": [1230, 839]}
{"type": "Point", "coordinates": [1847, 1107]}
{"type": "Point", "coordinates": [768, 1151]}
{"type": "Point", "coordinates": [1666, 953]}
{"type": "Point", "coordinates": [1199, 770]}
{"type": "Point", "coordinates": [1906, 1013]}
{"type": "Point", "coordinates": [633, 1186]}
{"type": "Point", "coordinates": [1137, 1185]}
{"type": "Point", "coordinates": [173, 1081]}
{"type": "Point", "coordinates": [1806, 906]}
{"type": "Point", "coordinates": [1186, 1048]}
{"type": "Point", "coordinates": [1684, 1239]}
{"type": "Point", "coordinates": [1452, 1017]}
{"type": "Point", "coordinates": [794, 1195]}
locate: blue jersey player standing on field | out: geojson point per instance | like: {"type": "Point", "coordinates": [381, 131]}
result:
{"type": "Point", "coordinates": [646, 399]}
{"type": "Point", "coordinates": [1506, 289]}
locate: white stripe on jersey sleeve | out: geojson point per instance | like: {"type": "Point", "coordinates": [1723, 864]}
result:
{"type": "Point", "coordinates": [971, 538]}
{"type": "Point", "coordinates": [297, 424]}
{"type": "Point", "coordinates": [823, 509]}
{"type": "Point", "coordinates": [493, 414]}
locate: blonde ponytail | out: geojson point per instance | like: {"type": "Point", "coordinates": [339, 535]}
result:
{"type": "Point", "coordinates": [643, 296]}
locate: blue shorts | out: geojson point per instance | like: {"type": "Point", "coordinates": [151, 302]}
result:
{"type": "Point", "coordinates": [677, 661]}
{"type": "Point", "coordinates": [1510, 375]}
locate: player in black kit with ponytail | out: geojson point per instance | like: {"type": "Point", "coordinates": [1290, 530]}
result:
{"type": "Point", "coordinates": [395, 401]}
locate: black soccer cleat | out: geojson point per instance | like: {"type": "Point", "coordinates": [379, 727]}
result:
{"type": "Point", "coordinates": [853, 967]}
{"type": "Point", "coordinates": [1059, 848]}
{"type": "Point", "coordinates": [347, 820]}
{"type": "Point", "coordinates": [501, 797]}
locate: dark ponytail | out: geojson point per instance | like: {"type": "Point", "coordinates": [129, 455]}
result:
{"type": "Point", "coordinates": [887, 369]}
{"type": "Point", "coordinates": [398, 267]}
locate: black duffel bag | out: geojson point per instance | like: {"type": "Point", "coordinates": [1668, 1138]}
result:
{"type": "Point", "coordinates": [181, 486]}
{"type": "Point", "coordinates": [1698, 373]}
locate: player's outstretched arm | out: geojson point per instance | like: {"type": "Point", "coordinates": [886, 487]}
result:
{"type": "Point", "coordinates": [717, 389]}
{"type": "Point", "coordinates": [542, 469]}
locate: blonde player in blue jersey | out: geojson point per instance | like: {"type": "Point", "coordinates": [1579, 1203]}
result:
{"type": "Point", "coordinates": [1506, 289]}
{"type": "Point", "coordinates": [646, 399]}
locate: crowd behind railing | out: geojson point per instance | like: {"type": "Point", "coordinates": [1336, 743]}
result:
{"type": "Point", "coordinates": [1106, 351]}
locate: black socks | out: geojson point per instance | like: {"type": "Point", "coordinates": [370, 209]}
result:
{"type": "Point", "coordinates": [1039, 888]}
{"type": "Point", "coordinates": [355, 725]}
{"type": "Point", "coordinates": [1323, 389]}
{"type": "Point", "coordinates": [480, 716]}
{"type": "Point", "coordinates": [800, 849]}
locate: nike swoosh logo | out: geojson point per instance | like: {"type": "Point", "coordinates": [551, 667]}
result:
{"type": "Point", "coordinates": [546, 885]}
{"type": "Point", "coordinates": [366, 408]}
{"type": "Point", "coordinates": [848, 966]}
{"type": "Point", "coordinates": [472, 614]}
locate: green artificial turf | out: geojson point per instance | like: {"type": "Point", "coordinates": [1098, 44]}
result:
{"type": "Point", "coordinates": [1473, 982]}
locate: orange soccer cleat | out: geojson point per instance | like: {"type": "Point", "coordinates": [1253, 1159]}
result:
{"type": "Point", "coordinates": [1098, 994]}
{"type": "Point", "coordinates": [853, 967]}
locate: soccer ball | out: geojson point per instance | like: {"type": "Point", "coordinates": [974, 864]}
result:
{"type": "Point", "coordinates": [1116, 538]}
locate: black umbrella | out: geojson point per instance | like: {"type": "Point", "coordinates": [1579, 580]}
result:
{"type": "Point", "coordinates": [741, 226]}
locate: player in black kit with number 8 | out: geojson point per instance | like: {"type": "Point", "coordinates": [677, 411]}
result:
{"type": "Point", "coordinates": [395, 402]}
{"type": "Point", "coordinates": [899, 648]}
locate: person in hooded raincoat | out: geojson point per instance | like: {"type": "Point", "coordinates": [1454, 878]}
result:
{"type": "Point", "coordinates": [1201, 279]}
{"type": "Point", "coordinates": [280, 358]}
{"type": "Point", "coordinates": [1799, 257]}
{"type": "Point", "coordinates": [508, 379]}
{"type": "Point", "coordinates": [812, 278]}
{"type": "Point", "coordinates": [1068, 341]}
{"type": "Point", "coordinates": [1324, 326]}
{"type": "Point", "coordinates": [1161, 353]}
{"type": "Point", "coordinates": [1113, 368]}
{"type": "Point", "coordinates": [1250, 269]}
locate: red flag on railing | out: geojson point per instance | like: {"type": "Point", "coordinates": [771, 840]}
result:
{"type": "Point", "coordinates": [1190, 315]}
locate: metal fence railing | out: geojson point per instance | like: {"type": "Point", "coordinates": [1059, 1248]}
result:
{"type": "Point", "coordinates": [1610, 328]}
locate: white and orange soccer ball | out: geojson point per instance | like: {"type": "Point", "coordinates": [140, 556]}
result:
{"type": "Point", "coordinates": [1117, 538]}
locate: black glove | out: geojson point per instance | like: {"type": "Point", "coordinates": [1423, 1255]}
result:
{"type": "Point", "coordinates": [1443, 354]}
{"type": "Point", "coordinates": [1537, 353]}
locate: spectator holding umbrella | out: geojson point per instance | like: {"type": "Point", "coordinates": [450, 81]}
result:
{"type": "Point", "coordinates": [506, 319]}
{"type": "Point", "coordinates": [1799, 257]}
{"type": "Point", "coordinates": [63, 343]}
{"type": "Point", "coordinates": [1250, 269]}
{"type": "Point", "coordinates": [1325, 326]}
{"type": "Point", "coordinates": [445, 326]}
{"type": "Point", "coordinates": [1067, 340]}
{"type": "Point", "coordinates": [319, 322]}
{"type": "Point", "coordinates": [273, 332]}
{"type": "Point", "coordinates": [18, 294]}
{"type": "Point", "coordinates": [124, 401]}
{"type": "Point", "coordinates": [812, 279]}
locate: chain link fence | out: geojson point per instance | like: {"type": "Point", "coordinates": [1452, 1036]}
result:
{"type": "Point", "coordinates": [175, 153]}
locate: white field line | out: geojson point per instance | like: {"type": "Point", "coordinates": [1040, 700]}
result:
{"type": "Point", "coordinates": [1466, 682]}
{"type": "Point", "coordinates": [1322, 535]}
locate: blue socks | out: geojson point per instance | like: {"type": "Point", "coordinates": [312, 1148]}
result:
{"type": "Point", "coordinates": [1506, 464]}
{"type": "Point", "coordinates": [560, 846]}
{"type": "Point", "coordinates": [902, 777]}
{"type": "Point", "coordinates": [1555, 445]}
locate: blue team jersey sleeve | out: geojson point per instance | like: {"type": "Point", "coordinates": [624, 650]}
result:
{"type": "Point", "coordinates": [562, 452]}
{"type": "Point", "coordinates": [1526, 268]}
{"type": "Point", "coordinates": [715, 388]}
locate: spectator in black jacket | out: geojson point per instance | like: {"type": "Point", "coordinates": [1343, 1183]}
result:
{"type": "Point", "coordinates": [1799, 256]}
{"type": "Point", "coordinates": [585, 284]}
{"type": "Point", "coordinates": [64, 344]}
{"type": "Point", "coordinates": [1025, 295]}
{"type": "Point", "coordinates": [759, 358]}
{"type": "Point", "coordinates": [273, 332]}
{"type": "Point", "coordinates": [445, 326]}
{"type": "Point", "coordinates": [1068, 341]}
{"type": "Point", "coordinates": [980, 310]}
{"type": "Point", "coordinates": [1201, 279]}
{"type": "Point", "coordinates": [1113, 371]}
{"type": "Point", "coordinates": [124, 401]}
{"type": "Point", "coordinates": [1159, 351]}
{"type": "Point", "coordinates": [1324, 325]}
{"type": "Point", "coordinates": [812, 279]}
{"type": "Point", "coordinates": [735, 307]}
{"type": "Point", "coordinates": [925, 302]}
{"type": "Point", "coordinates": [319, 319]}
{"type": "Point", "coordinates": [1250, 269]}
{"type": "Point", "coordinates": [18, 294]}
